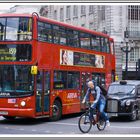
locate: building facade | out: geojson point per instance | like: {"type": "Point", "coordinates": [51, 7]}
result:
{"type": "Point", "coordinates": [112, 18]}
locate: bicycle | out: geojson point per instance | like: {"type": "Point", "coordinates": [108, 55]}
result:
{"type": "Point", "coordinates": [85, 123]}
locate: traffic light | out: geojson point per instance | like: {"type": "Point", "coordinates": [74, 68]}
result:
{"type": "Point", "coordinates": [138, 64]}
{"type": "Point", "coordinates": [126, 34]}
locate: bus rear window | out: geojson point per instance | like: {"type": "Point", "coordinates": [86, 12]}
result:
{"type": "Point", "coordinates": [15, 52]}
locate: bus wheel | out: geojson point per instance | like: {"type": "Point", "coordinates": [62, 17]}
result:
{"type": "Point", "coordinates": [9, 117]}
{"type": "Point", "coordinates": [57, 111]}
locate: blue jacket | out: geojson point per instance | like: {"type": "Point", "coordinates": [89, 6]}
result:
{"type": "Point", "coordinates": [96, 92]}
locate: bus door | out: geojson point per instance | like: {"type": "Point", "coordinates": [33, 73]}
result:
{"type": "Point", "coordinates": [42, 93]}
{"type": "Point", "coordinates": [84, 78]}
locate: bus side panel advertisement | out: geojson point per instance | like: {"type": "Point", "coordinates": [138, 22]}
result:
{"type": "Point", "coordinates": [71, 58]}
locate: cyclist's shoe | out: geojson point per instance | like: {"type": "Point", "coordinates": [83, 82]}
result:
{"type": "Point", "coordinates": [107, 123]}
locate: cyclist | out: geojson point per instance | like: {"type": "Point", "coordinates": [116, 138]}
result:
{"type": "Point", "coordinates": [99, 101]}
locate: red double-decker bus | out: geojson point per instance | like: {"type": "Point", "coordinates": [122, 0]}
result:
{"type": "Point", "coordinates": [45, 64]}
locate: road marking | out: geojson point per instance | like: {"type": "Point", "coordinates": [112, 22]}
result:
{"type": "Point", "coordinates": [60, 132]}
{"type": "Point", "coordinates": [34, 130]}
{"type": "Point", "coordinates": [72, 124]}
{"type": "Point", "coordinates": [47, 131]}
{"type": "Point", "coordinates": [64, 123]}
{"type": "Point", "coordinates": [126, 127]}
{"type": "Point", "coordinates": [6, 127]}
{"type": "Point", "coordinates": [72, 133]}
{"type": "Point", "coordinates": [21, 129]}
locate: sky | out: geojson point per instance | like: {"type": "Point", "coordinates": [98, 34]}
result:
{"type": "Point", "coordinates": [6, 6]}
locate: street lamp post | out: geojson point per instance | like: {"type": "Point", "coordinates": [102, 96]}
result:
{"type": "Point", "coordinates": [127, 47]}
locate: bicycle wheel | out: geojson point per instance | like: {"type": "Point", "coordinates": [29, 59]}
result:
{"type": "Point", "coordinates": [101, 124]}
{"type": "Point", "coordinates": [84, 123]}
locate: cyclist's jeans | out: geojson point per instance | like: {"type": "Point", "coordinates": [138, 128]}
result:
{"type": "Point", "coordinates": [100, 106]}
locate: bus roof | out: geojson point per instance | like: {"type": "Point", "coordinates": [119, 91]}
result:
{"type": "Point", "coordinates": [58, 23]}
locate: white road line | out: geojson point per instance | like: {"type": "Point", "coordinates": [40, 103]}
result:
{"type": "Point", "coordinates": [72, 124]}
{"type": "Point", "coordinates": [34, 130]}
{"type": "Point", "coordinates": [72, 133]}
{"type": "Point", "coordinates": [126, 127]}
{"type": "Point", "coordinates": [47, 131]}
{"type": "Point", "coordinates": [64, 123]}
{"type": "Point", "coordinates": [21, 129]}
{"type": "Point", "coordinates": [60, 132]}
{"type": "Point", "coordinates": [6, 127]}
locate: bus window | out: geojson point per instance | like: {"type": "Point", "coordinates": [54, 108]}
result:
{"type": "Point", "coordinates": [8, 77]}
{"type": "Point", "coordinates": [72, 38]}
{"type": "Point", "coordinates": [25, 29]}
{"type": "Point", "coordinates": [95, 43]}
{"type": "Point", "coordinates": [16, 79]}
{"type": "Point", "coordinates": [59, 35]}
{"type": "Point", "coordinates": [44, 32]}
{"type": "Point", "coordinates": [112, 48]}
{"type": "Point", "coordinates": [15, 52]}
{"type": "Point", "coordinates": [85, 40]}
{"type": "Point", "coordinates": [47, 82]}
{"type": "Point", "coordinates": [60, 80]}
{"type": "Point", "coordinates": [2, 28]}
{"type": "Point", "coordinates": [108, 47]}
{"type": "Point", "coordinates": [18, 29]}
{"type": "Point", "coordinates": [99, 78]}
{"type": "Point", "coordinates": [73, 80]}
{"type": "Point", "coordinates": [39, 81]}
{"type": "Point", "coordinates": [104, 44]}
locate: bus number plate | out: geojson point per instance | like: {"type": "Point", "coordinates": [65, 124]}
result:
{"type": "Point", "coordinates": [3, 113]}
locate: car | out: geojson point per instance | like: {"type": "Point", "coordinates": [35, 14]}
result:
{"type": "Point", "coordinates": [123, 99]}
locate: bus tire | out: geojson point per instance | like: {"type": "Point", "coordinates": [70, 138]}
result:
{"type": "Point", "coordinates": [56, 111]}
{"type": "Point", "coordinates": [9, 117]}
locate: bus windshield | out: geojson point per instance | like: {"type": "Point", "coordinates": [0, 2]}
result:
{"type": "Point", "coordinates": [15, 29]}
{"type": "Point", "coordinates": [16, 79]}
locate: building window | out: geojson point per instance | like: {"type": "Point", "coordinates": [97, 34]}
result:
{"type": "Point", "coordinates": [83, 10]}
{"type": "Point", "coordinates": [61, 14]}
{"type": "Point", "coordinates": [134, 54]}
{"type": "Point", "coordinates": [68, 12]}
{"type": "Point", "coordinates": [133, 12]}
{"type": "Point", "coordinates": [75, 11]}
{"type": "Point", "coordinates": [91, 8]}
{"type": "Point", "coordinates": [83, 25]}
{"type": "Point", "coordinates": [91, 26]}
{"type": "Point", "coordinates": [55, 14]}
{"type": "Point", "coordinates": [102, 12]}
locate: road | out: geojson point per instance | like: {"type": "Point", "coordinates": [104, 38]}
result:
{"type": "Point", "coordinates": [66, 126]}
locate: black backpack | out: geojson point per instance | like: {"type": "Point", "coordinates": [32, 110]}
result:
{"type": "Point", "coordinates": [103, 91]}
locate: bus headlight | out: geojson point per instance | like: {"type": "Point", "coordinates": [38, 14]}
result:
{"type": "Point", "coordinates": [23, 103]}
{"type": "Point", "coordinates": [128, 103]}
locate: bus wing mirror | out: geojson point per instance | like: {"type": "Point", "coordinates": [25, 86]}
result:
{"type": "Point", "coordinates": [34, 70]}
